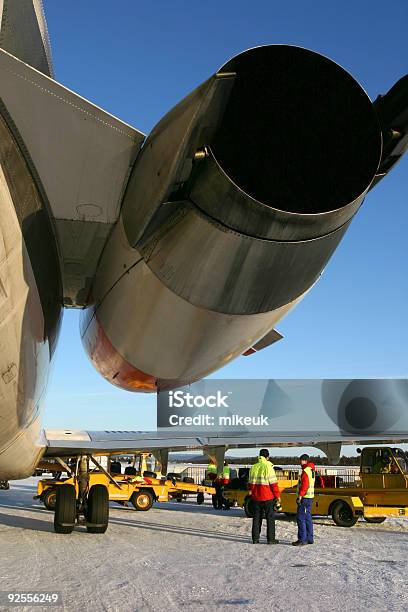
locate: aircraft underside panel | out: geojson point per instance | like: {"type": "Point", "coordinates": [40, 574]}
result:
{"type": "Point", "coordinates": [24, 347]}
{"type": "Point", "coordinates": [30, 304]}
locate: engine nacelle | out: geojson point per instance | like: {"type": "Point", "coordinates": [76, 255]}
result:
{"type": "Point", "coordinates": [238, 199]}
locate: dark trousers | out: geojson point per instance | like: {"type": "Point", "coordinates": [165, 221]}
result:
{"type": "Point", "coordinates": [304, 520]}
{"type": "Point", "coordinates": [261, 509]}
{"type": "Point", "coordinates": [219, 500]}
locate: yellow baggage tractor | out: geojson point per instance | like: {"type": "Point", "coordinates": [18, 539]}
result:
{"type": "Point", "coordinates": [380, 491]}
{"type": "Point", "coordinates": [140, 491]}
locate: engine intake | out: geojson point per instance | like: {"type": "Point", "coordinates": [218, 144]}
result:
{"type": "Point", "coordinates": [298, 132]}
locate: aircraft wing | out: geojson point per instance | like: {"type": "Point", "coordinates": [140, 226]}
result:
{"type": "Point", "coordinates": [65, 442]}
{"type": "Point", "coordinates": [79, 155]}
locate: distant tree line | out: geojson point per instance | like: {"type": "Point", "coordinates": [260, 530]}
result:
{"type": "Point", "coordinates": [315, 459]}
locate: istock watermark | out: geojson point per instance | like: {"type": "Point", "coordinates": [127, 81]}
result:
{"type": "Point", "coordinates": [287, 406]}
{"type": "Point", "coordinates": [180, 399]}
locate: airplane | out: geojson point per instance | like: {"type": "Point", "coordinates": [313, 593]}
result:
{"type": "Point", "coordinates": [183, 249]}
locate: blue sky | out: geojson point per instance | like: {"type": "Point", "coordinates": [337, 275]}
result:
{"type": "Point", "coordinates": [138, 59]}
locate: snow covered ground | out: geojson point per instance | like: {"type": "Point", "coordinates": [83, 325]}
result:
{"type": "Point", "coordinates": [189, 557]}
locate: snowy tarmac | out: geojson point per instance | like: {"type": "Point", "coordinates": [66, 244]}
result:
{"type": "Point", "coordinates": [189, 557]}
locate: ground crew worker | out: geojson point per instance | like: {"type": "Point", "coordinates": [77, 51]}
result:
{"type": "Point", "coordinates": [265, 496]}
{"type": "Point", "coordinates": [304, 502]}
{"type": "Point", "coordinates": [383, 465]}
{"type": "Point", "coordinates": [220, 502]}
{"type": "Point", "coordinates": [225, 474]}
{"type": "Point", "coordinates": [212, 476]}
{"type": "Point", "coordinates": [211, 469]}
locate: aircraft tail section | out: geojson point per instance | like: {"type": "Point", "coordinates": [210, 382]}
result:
{"type": "Point", "coordinates": [24, 34]}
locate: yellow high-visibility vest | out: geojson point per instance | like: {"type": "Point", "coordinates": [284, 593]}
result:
{"type": "Point", "coordinates": [262, 473]}
{"type": "Point", "coordinates": [310, 474]}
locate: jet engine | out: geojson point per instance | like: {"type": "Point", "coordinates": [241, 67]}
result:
{"type": "Point", "coordinates": [233, 208]}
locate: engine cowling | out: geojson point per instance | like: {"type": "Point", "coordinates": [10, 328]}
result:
{"type": "Point", "coordinates": [237, 201]}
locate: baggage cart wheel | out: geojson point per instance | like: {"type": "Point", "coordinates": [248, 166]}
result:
{"type": "Point", "coordinates": [142, 500]}
{"type": "Point", "coordinates": [49, 499]}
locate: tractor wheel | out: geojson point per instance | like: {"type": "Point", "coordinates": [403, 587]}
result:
{"type": "Point", "coordinates": [200, 498]}
{"type": "Point", "coordinates": [97, 510]}
{"type": "Point", "coordinates": [65, 509]}
{"type": "Point", "coordinates": [142, 500]}
{"type": "Point", "coordinates": [342, 514]}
